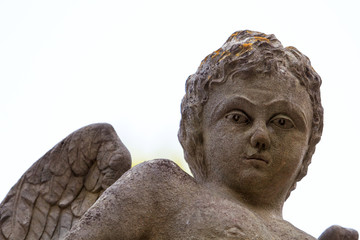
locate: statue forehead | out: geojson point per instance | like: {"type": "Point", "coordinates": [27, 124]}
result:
{"type": "Point", "coordinates": [273, 82]}
{"type": "Point", "coordinates": [260, 88]}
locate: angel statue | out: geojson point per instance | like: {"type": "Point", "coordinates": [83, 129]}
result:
{"type": "Point", "coordinates": [251, 118]}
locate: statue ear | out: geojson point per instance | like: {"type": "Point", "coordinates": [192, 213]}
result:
{"type": "Point", "coordinates": [191, 139]}
{"type": "Point", "coordinates": [200, 160]}
{"type": "Point", "coordinates": [304, 165]}
{"type": "Point", "coordinates": [302, 171]}
{"type": "Point", "coordinates": [199, 164]}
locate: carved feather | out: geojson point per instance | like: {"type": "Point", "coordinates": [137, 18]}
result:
{"type": "Point", "coordinates": [92, 178]}
{"type": "Point", "coordinates": [51, 223]}
{"type": "Point", "coordinates": [72, 190]}
{"type": "Point", "coordinates": [38, 220]}
{"type": "Point", "coordinates": [64, 224]}
{"type": "Point", "coordinates": [83, 202]}
{"type": "Point", "coordinates": [16, 211]}
{"type": "Point", "coordinates": [62, 185]}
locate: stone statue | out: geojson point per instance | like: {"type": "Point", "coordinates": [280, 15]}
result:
{"type": "Point", "coordinates": [251, 118]}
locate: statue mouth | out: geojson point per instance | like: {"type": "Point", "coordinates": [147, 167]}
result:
{"type": "Point", "coordinates": [257, 157]}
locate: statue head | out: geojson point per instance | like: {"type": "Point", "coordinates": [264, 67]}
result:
{"type": "Point", "coordinates": [248, 54]}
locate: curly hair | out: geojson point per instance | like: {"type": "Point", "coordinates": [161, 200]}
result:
{"type": "Point", "coordinates": [245, 52]}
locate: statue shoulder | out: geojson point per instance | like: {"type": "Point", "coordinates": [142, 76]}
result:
{"type": "Point", "coordinates": [153, 185]}
{"type": "Point", "coordinates": [162, 170]}
{"type": "Point", "coordinates": [144, 197]}
{"type": "Point", "coordinates": [155, 176]}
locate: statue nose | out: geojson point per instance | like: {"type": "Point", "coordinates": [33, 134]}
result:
{"type": "Point", "coordinates": [260, 138]}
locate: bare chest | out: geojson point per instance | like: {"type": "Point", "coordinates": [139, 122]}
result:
{"type": "Point", "coordinates": [215, 220]}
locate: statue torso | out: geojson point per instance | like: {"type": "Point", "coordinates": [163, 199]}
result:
{"type": "Point", "coordinates": [219, 219]}
{"type": "Point", "coordinates": [195, 212]}
{"type": "Point", "coordinates": [159, 201]}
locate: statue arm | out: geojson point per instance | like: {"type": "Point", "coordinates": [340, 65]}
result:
{"type": "Point", "coordinates": [339, 233]}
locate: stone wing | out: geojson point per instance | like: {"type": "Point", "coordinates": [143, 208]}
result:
{"type": "Point", "coordinates": [62, 185]}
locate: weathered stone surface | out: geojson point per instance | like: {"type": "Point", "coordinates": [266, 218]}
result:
{"type": "Point", "coordinates": [63, 184]}
{"type": "Point", "coordinates": [251, 118]}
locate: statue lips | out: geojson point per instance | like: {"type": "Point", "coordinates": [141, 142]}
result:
{"type": "Point", "coordinates": [257, 158]}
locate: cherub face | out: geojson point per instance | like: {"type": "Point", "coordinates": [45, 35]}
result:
{"type": "Point", "coordinates": [256, 133]}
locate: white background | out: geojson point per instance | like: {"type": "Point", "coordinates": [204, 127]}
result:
{"type": "Point", "coordinates": [66, 64]}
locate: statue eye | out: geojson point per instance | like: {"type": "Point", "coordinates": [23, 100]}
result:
{"type": "Point", "coordinates": [282, 121]}
{"type": "Point", "coordinates": [238, 117]}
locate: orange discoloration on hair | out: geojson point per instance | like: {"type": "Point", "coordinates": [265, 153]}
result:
{"type": "Point", "coordinates": [244, 48]}
{"type": "Point", "coordinates": [262, 39]}
{"type": "Point", "coordinates": [234, 34]}
{"type": "Point", "coordinates": [224, 55]}
{"type": "Point", "coordinates": [203, 61]}
{"type": "Point", "coordinates": [216, 53]}
{"type": "Point", "coordinates": [247, 45]}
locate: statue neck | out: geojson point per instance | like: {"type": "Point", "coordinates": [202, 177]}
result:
{"type": "Point", "coordinates": [265, 206]}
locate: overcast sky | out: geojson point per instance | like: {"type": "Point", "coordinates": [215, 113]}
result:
{"type": "Point", "coordinates": [66, 64]}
